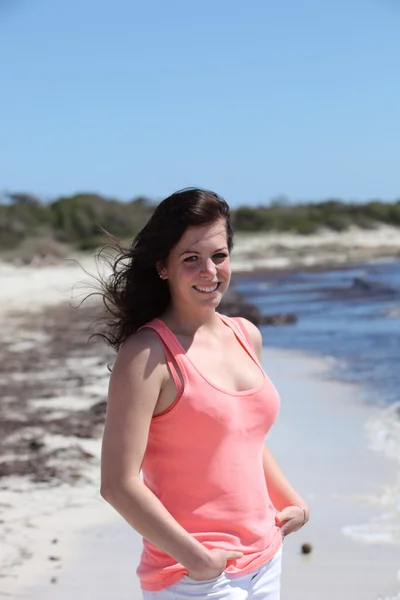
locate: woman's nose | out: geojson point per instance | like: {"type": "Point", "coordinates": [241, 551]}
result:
{"type": "Point", "coordinates": [208, 268]}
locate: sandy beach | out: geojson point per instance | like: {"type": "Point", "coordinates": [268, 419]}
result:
{"type": "Point", "coordinates": [325, 248]}
{"type": "Point", "coordinates": [60, 540]}
{"type": "Point", "coordinates": [267, 251]}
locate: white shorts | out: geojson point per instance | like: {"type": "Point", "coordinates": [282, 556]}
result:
{"type": "Point", "coordinates": [261, 584]}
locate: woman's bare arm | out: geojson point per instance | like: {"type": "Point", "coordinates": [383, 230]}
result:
{"type": "Point", "coordinates": [135, 384]}
{"type": "Point", "coordinates": [281, 492]}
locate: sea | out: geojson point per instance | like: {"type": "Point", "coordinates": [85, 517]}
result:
{"type": "Point", "coordinates": [351, 317]}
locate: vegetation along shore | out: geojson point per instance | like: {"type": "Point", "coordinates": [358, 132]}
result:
{"type": "Point", "coordinates": [31, 227]}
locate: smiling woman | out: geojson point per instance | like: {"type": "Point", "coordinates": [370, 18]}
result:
{"type": "Point", "coordinates": [182, 411]}
{"type": "Point", "coordinates": [138, 290]}
{"type": "Point", "coordinates": [198, 263]}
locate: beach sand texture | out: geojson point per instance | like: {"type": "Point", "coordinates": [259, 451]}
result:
{"type": "Point", "coordinates": [59, 540]}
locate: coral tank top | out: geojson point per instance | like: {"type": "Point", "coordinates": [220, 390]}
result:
{"type": "Point", "coordinates": [204, 462]}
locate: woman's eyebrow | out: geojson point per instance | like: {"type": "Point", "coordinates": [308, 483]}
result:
{"type": "Point", "coordinates": [189, 252]}
{"type": "Point", "coordinates": [195, 251]}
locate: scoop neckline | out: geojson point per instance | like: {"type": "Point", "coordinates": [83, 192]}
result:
{"type": "Point", "coordinates": [214, 385]}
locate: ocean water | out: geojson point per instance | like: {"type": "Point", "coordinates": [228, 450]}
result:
{"type": "Point", "coordinates": [352, 318]}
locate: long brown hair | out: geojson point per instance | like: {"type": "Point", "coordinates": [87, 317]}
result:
{"type": "Point", "coordinates": [133, 293]}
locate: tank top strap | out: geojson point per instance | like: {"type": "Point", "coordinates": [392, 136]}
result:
{"type": "Point", "coordinates": [172, 350]}
{"type": "Point", "coordinates": [242, 333]}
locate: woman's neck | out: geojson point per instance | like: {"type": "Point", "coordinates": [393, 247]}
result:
{"type": "Point", "coordinates": [188, 322]}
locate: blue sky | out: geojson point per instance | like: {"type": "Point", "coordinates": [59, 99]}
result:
{"type": "Point", "coordinates": [251, 99]}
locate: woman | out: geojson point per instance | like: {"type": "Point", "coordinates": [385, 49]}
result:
{"type": "Point", "coordinates": [190, 406]}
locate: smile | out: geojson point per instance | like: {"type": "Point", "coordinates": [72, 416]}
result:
{"type": "Point", "coordinates": [207, 289]}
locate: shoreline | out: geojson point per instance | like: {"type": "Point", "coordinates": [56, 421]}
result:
{"type": "Point", "coordinates": [324, 249]}
{"type": "Point", "coordinates": [72, 279]}
{"type": "Point", "coordinates": [317, 268]}
{"type": "Point", "coordinates": [347, 484]}
{"type": "Point", "coordinates": [97, 552]}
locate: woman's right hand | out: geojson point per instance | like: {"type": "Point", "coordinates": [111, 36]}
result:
{"type": "Point", "coordinates": [216, 566]}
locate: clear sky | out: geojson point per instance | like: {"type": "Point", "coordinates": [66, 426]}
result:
{"type": "Point", "coordinates": [251, 99]}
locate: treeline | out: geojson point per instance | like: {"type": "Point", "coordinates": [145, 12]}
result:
{"type": "Point", "coordinates": [309, 218]}
{"type": "Point", "coordinates": [78, 220]}
{"type": "Point", "coordinates": [74, 220]}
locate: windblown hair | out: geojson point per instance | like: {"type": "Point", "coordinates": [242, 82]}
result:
{"type": "Point", "coordinates": [133, 293]}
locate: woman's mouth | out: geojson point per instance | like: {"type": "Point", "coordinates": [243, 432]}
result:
{"type": "Point", "coordinates": [207, 289]}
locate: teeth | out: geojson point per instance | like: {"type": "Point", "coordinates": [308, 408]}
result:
{"type": "Point", "coordinates": [206, 289]}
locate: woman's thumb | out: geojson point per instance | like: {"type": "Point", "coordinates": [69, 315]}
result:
{"type": "Point", "coordinates": [281, 518]}
{"type": "Point", "coordinates": [232, 555]}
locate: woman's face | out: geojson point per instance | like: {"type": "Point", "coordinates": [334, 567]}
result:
{"type": "Point", "coordinates": [198, 267]}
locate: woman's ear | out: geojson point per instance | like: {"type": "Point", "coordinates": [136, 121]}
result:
{"type": "Point", "coordinates": [162, 271]}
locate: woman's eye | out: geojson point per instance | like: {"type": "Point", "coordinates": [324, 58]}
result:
{"type": "Point", "coordinates": [220, 256]}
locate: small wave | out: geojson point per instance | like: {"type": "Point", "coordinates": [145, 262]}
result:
{"type": "Point", "coordinates": [264, 285]}
{"type": "Point", "coordinates": [384, 529]}
{"type": "Point", "coordinates": [383, 431]}
{"type": "Point", "coordinates": [383, 436]}
{"type": "Point", "coordinates": [335, 362]}
{"type": "Point", "coordinates": [392, 311]}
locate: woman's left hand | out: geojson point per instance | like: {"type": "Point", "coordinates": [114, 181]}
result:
{"type": "Point", "coordinates": [290, 519]}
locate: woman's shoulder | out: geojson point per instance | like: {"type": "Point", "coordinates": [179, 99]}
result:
{"type": "Point", "coordinates": [250, 327]}
{"type": "Point", "coordinates": [253, 332]}
{"type": "Point", "coordinates": [142, 346]}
